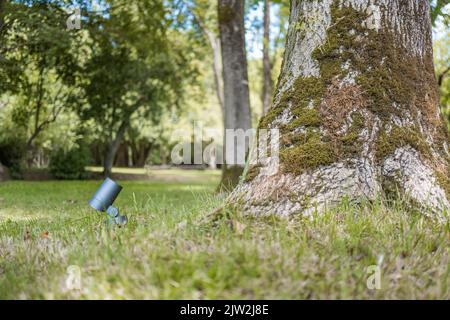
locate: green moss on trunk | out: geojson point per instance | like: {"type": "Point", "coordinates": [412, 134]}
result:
{"type": "Point", "coordinates": [400, 137]}
{"type": "Point", "coordinates": [444, 182]}
{"type": "Point", "coordinates": [311, 154]}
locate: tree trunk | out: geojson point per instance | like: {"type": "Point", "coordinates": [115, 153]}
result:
{"type": "Point", "coordinates": [217, 70]}
{"type": "Point", "coordinates": [141, 150]}
{"type": "Point", "coordinates": [357, 109]}
{"type": "Point", "coordinates": [112, 149]}
{"type": "Point", "coordinates": [267, 67]}
{"type": "Point", "coordinates": [121, 159]}
{"type": "Point", "coordinates": [235, 80]}
{"type": "Point", "coordinates": [442, 76]}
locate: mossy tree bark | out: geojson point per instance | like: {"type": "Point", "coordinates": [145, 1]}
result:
{"type": "Point", "coordinates": [235, 80]}
{"type": "Point", "coordinates": [357, 108]}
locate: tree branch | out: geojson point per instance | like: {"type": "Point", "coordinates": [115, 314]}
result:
{"type": "Point", "coordinates": [214, 44]}
{"type": "Point", "coordinates": [442, 75]}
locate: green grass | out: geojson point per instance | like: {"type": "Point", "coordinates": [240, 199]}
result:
{"type": "Point", "coordinates": [172, 249]}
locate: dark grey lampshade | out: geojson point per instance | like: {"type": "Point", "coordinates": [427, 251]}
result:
{"type": "Point", "coordinates": [105, 195]}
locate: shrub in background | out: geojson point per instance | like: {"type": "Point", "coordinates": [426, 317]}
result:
{"type": "Point", "coordinates": [70, 164]}
{"type": "Point", "coordinates": [12, 154]}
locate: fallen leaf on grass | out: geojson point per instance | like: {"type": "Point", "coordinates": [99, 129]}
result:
{"type": "Point", "coordinates": [44, 234]}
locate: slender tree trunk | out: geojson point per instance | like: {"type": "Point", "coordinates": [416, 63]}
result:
{"type": "Point", "coordinates": [235, 79]}
{"type": "Point", "coordinates": [141, 151]}
{"type": "Point", "coordinates": [267, 67]}
{"type": "Point", "coordinates": [112, 149]}
{"type": "Point", "coordinates": [357, 107]}
{"type": "Point", "coordinates": [38, 127]}
{"type": "Point", "coordinates": [121, 157]}
{"type": "Point", "coordinates": [214, 44]}
{"type": "Point", "coordinates": [442, 76]}
{"type": "Point", "coordinates": [217, 70]}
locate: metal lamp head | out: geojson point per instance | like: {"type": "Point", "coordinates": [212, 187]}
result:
{"type": "Point", "coordinates": [105, 197]}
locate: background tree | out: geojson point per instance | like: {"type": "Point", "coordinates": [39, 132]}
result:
{"type": "Point", "coordinates": [358, 110]}
{"type": "Point", "coordinates": [235, 79]}
{"type": "Point", "coordinates": [40, 64]}
{"type": "Point", "coordinates": [270, 46]}
{"type": "Point", "coordinates": [148, 75]}
{"type": "Point", "coordinates": [442, 63]}
{"type": "Point", "coordinates": [267, 65]}
{"type": "Point", "coordinates": [266, 21]}
{"type": "Point", "coordinates": [204, 15]}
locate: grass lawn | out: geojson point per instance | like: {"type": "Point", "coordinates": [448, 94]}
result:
{"type": "Point", "coordinates": [170, 249]}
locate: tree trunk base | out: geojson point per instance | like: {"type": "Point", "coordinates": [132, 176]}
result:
{"type": "Point", "coordinates": [357, 109]}
{"type": "Point", "coordinates": [403, 174]}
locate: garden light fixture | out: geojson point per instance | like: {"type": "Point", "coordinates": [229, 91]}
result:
{"type": "Point", "coordinates": [103, 200]}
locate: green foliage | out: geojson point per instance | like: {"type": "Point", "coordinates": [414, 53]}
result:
{"type": "Point", "coordinates": [12, 142]}
{"type": "Point", "coordinates": [70, 164]}
{"type": "Point", "coordinates": [441, 48]}
{"type": "Point", "coordinates": [12, 153]}
{"type": "Point", "coordinates": [440, 9]}
{"type": "Point", "coordinates": [148, 76]}
{"type": "Point", "coordinates": [40, 62]}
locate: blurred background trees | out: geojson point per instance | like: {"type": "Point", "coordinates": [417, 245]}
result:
{"type": "Point", "coordinates": [114, 92]}
{"type": "Point", "coordinates": [137, 64]}
{"type": "Point", "coordinates": [40, 65]}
